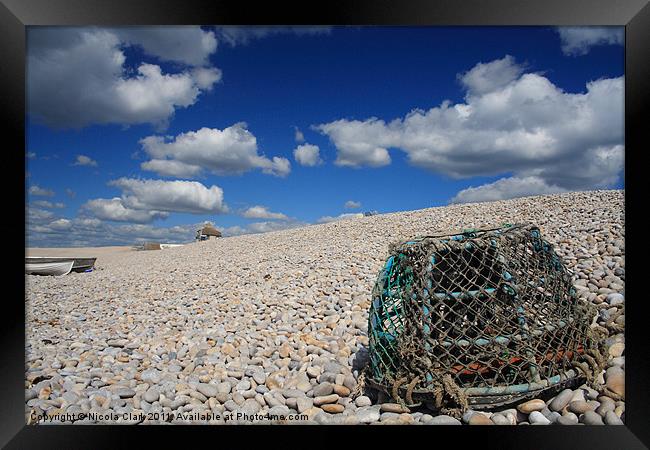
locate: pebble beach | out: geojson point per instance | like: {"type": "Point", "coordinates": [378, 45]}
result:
{"type": "Point", "coordinates": [238, 329]}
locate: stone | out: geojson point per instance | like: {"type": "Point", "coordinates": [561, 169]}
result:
{"type": "Point", "coordinates": [304, 403]}
{"type": "Point", "coordinates": [560, 400]}
{"type": "Point", "coordinates": [259, 377]}
{"type": "Point", "coordinates": [616, 349]}
{"type": "Point", "coordinates": [125, 393]}
{"type": "Point", "coordinates": [591, 418]}
{"type": "Point", "coordinates": [321, 400]}
{"type": "Point", "coordinates": [480, 419]}
{"type": "Point", "coordinates": [367, 414]}
{"type": "Point", "coordinates": [615, 299]}
{"type": "Point", "coordinates": [531, 405]}
{"type": "Point", "coordinates": [333, 408]}
{"type": "Point", "coordinates": [209, 390]}
{"type": "Point", "coordinates": [362, 401]}
{"type": "Point", "coordinates": [564, 420]}
{"type": "Point", "coordinates": [616, 382]}
{"type": "Point", "coordinates": [500, 419]}
{"type": "Point", "coordinates": [536, 417]}
{"type": "Point", "coordinates": [443, 420]}
{"type": "Point", "coordinates": [579, 407]}
{"type": "Point", "coordinates": [341, 390]}
{"type": "Point", "coordinates": [323, 389]}
{"type": "Point", "coordinates": [393, 407]}
{"type": "Point", "coordinates": [152, 394]}
{"type": "Point", "coordinates": [612, 419]}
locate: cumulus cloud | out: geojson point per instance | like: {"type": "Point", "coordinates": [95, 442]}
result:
{"type": "Point", "coordinates": [307, 155]}
{"type": "Point", "coordinates": [61, 224]}
{"type": "Point", "coordinates": [114, 210]}
{"type": "Point", "coordinates": [171, 196]}
{"type": "Point", "coordinates": [351, 204]}
{"type": "Point", "coordinates": [237, 35]}
{"type": "Point", "coordinates": [231, 151]}
{"type": "Point", "coordinates": [36, 190]}
{"type": "Point", "coordinates": [348, 216]}
{"type": "Point", "coordinates": [37, 215]}
{"type": "Point", "coordinates": [577, 41]}
{"type": "Point", "coordinates": [511, 122]}
{"type": "Point", "coordinates": [506, 188]}
{"type": "Point", "coordinates": [83, 160]}
{"type": "Point", "coordinates": [78, 76]}
{"type": "Point", "coordinates": [262, 212]}
{"type": "Point", "coordinates": [184, 44]}
{"type": "Point", "coordinates": [83, 232]}
{"type": "Point", "coordinates": [47, 204]}
{"type": "Point", "coordinates": [298, 136]}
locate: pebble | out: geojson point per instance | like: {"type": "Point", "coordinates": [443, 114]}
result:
{"type": "Point", "coordinates": [564, 420]}
{"type": "Point", "coordinates": [277, 342]}
{"type": "Point", "coordinates": [152, 394]}
{"type": "Point", "coordinates": [536, 417]}
{"type": "Point", "coordinates": [333, 408]}
{"type": "Point", "coordinates": [367, 414]}
{"type": "Point", "coordinates": [323, 389]}
{"type": "Point", "coordinates": [321, 400]}
{"type": "Point", "coordinates": [394, 408]}
{"type": "Point", "coordinates": [616, 349]}
{"type": "Point", "coordinates": [612, 419]}
{"type": "Point", "coordinates": [209, 390]}
{"type": "Point", "coordinates": [531, 405]}
{"type": "Point", "coordinates": [579, 407]}
{"type": "Point", "coordinates": [480, 419]}
{"type": "Point", "coordinates": [443, 420]}
{"type": "Point", "coordinates": [591, 418]}
{"type": "Point", "coordinates": [561, 400]}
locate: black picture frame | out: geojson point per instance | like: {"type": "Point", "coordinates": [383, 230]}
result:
{"type": "Point", "coordinates": [16, 15]}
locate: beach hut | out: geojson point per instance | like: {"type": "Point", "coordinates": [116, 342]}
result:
{"type": "Point", "coordinates": [207, 232]}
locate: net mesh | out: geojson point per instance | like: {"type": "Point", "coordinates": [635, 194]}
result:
{"type": "Point", "coordinates": [481, 318]}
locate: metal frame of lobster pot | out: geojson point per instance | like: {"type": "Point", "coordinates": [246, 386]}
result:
{"type": "Point", "coordinates": [479, 318]}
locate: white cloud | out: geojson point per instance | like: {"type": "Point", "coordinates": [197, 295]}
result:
{"type": "Point", "coordinates": [328, 219]}
{"type": "Point", "coordinates": [351, 204]}
{"type": "Point", "coordinates": [37, 215]}
{"type": "Point", "coordinates": [83, 160]}
{"type": "Point", "coordinates": [60, 224]}
{"type": "Point", "coordinates": [521, 127]}
{"type": "Point", "coordinates": [78, 76]}
{"type": "Point", "coordinates": [231, 151]}
{"type": "Point", "coordinates": [94, 232]}
{"type": "Point", "coordinates": [70, 193]}
{"type": "Point", "coordinates": [299, 137]}
{"type": "Point", "coordinates": [185, 44]}
{"type": "Point", "coordinates": [360, 143]}
{"type": "Point", "coordinates": [307, 155]}
{"type": "Point", "coordinates": [238, 35]}
{"type": "Point", "coordinates": [47, 204]}
{"type": "Point", "coordinates": [114, 210]}
{"type": "Point", "coordinates": [262, 212]}
{"type": "Point", "coordinates": [506, 188]}
{"type": "Point", "coordinates": [172, 196]}
{"type": "Point", "coordinates": [31, 155]}
{"type": "Point", "coordinates": [34, 189]}
{"type": "Point", "coordinates": [484, 78]}
{"type": "Point", "coordinates": [577, 41]}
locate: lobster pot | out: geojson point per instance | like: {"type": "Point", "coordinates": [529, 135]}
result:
{"type": "Point", "coordinates": [490, 313]}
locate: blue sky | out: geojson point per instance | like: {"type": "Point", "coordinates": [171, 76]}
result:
{"type": "Point", "coordinates": [391, 118]}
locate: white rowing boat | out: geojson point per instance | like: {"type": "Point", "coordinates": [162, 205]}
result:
{"type": "Point", "coordinates": [81, 264]}
{"type": "Point", "coordinates": [49, 268]}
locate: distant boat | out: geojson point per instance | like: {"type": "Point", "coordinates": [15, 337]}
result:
{"type": "Point", "coordinates": [56, 265]}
